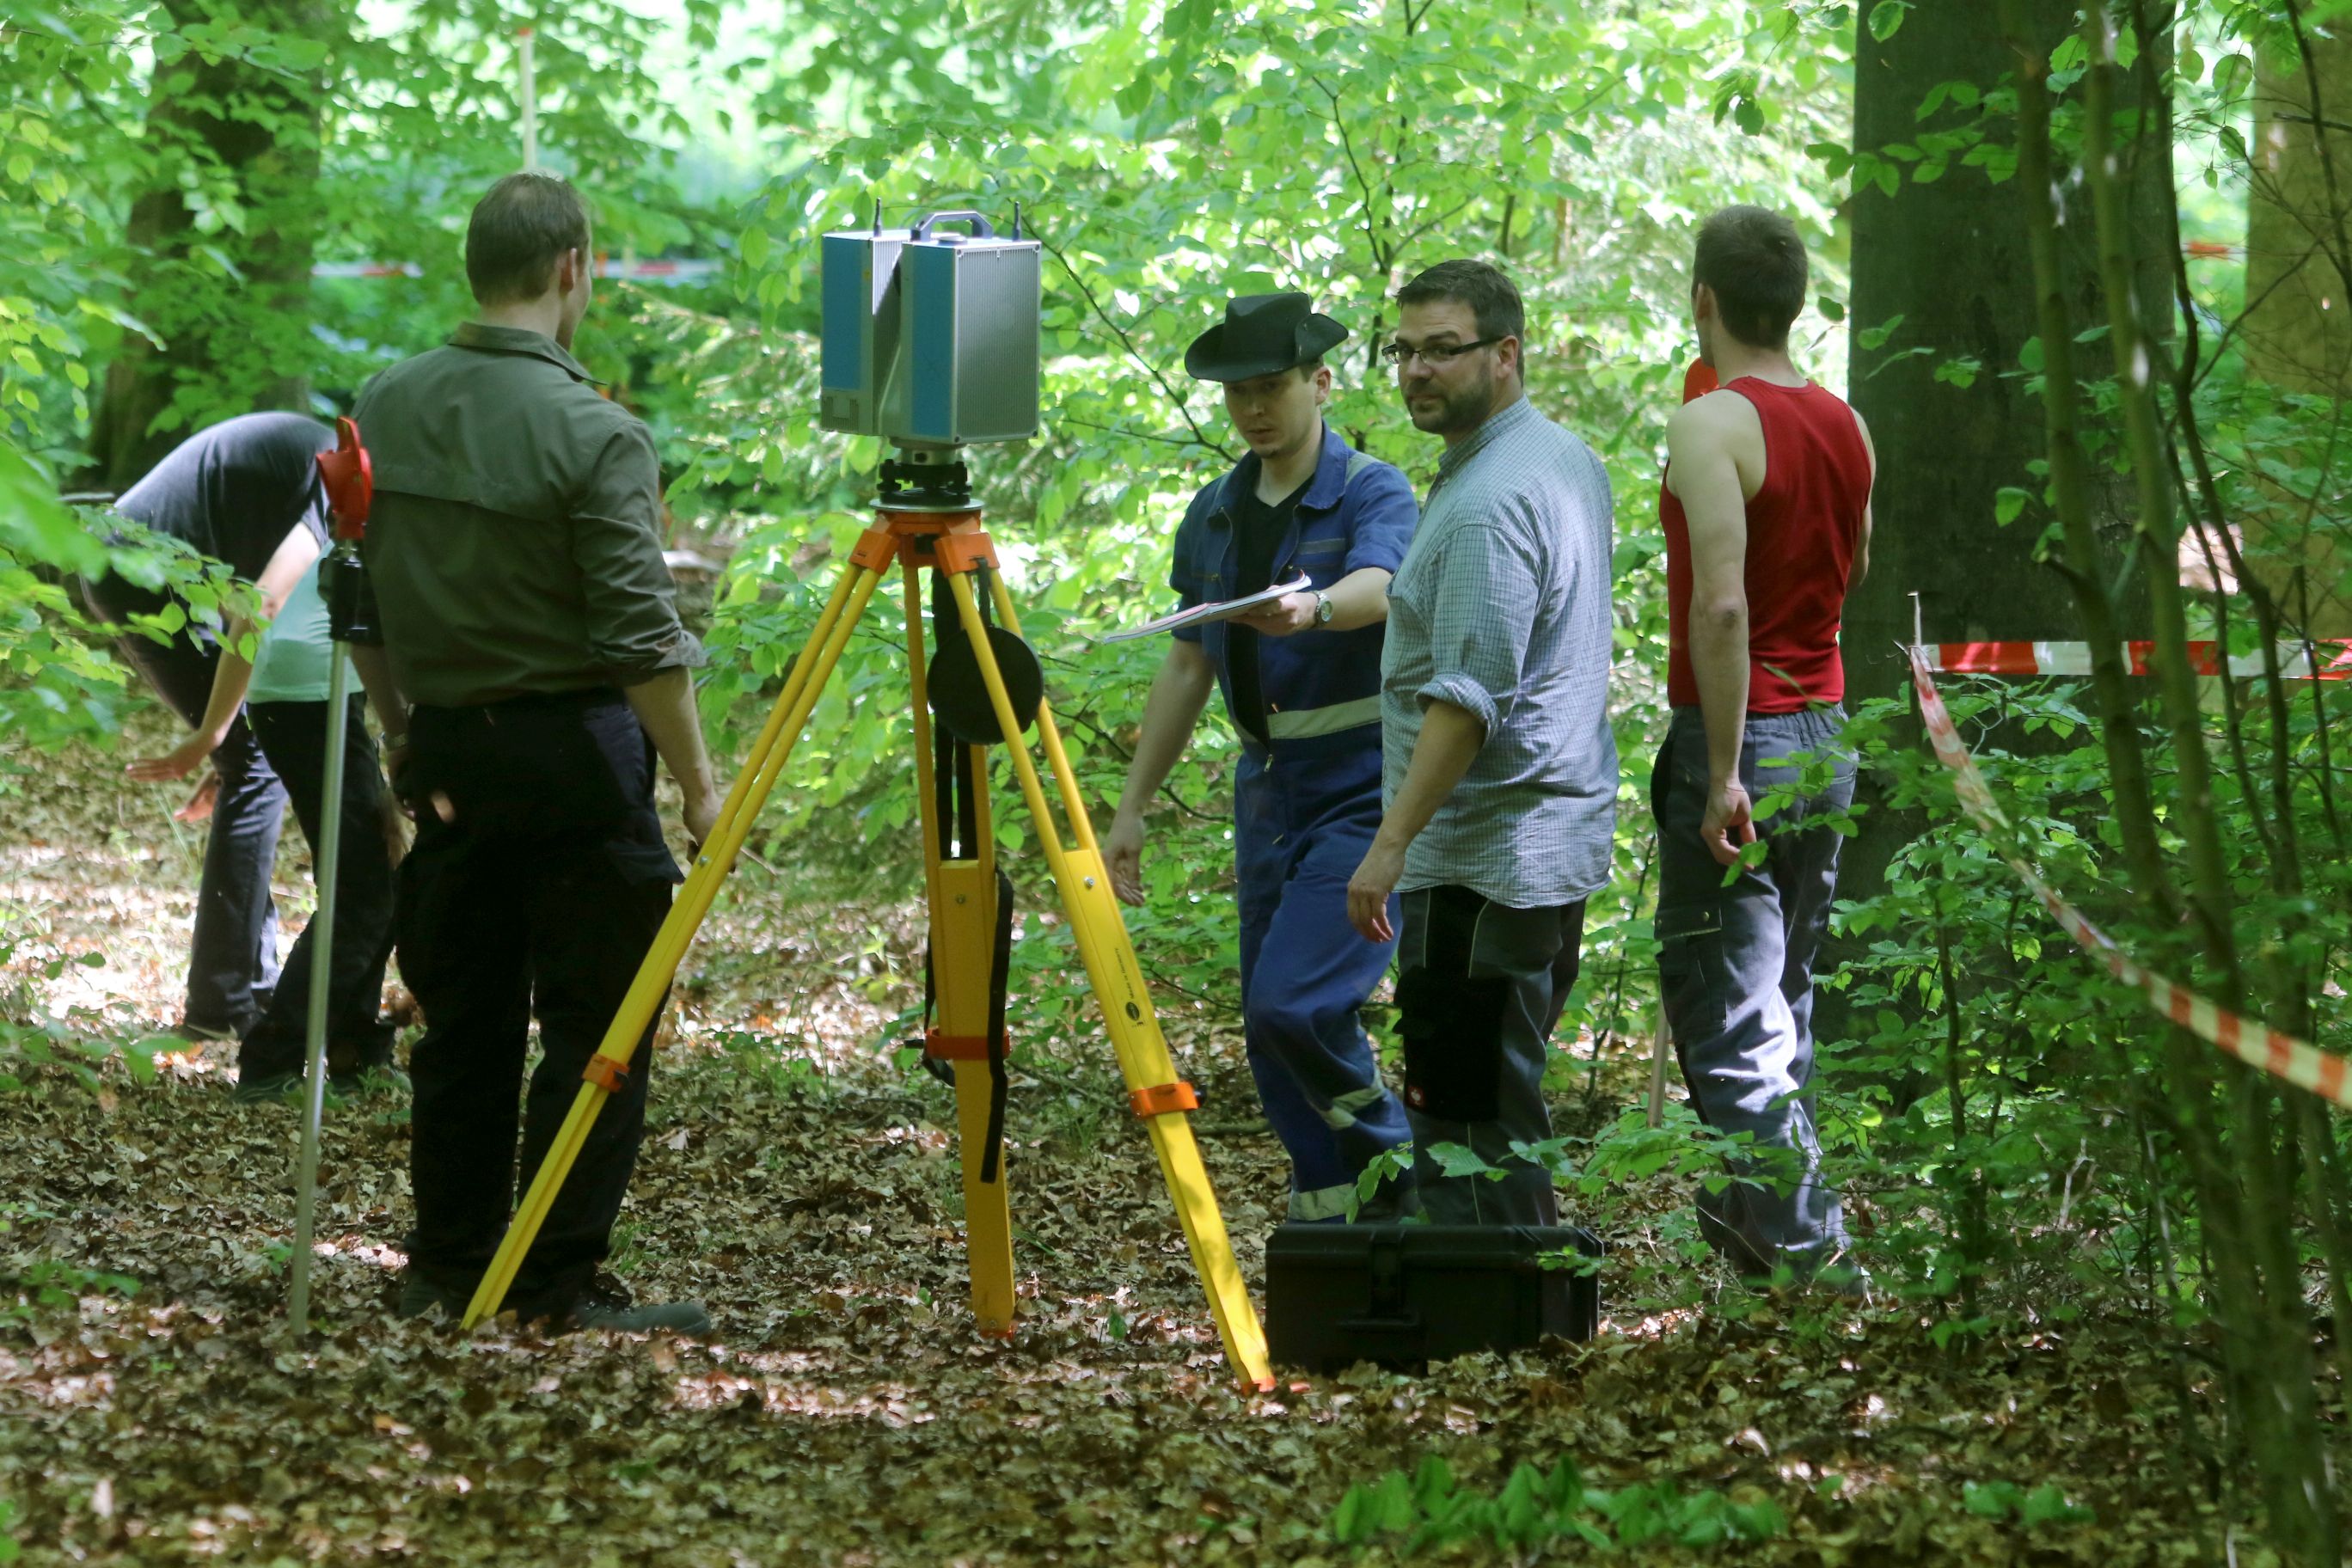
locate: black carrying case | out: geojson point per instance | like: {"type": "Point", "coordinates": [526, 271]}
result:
{"type": "Point", "coordinates": [1402, 1294]}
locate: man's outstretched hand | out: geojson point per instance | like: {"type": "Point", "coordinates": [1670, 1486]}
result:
{"type": "Point", "coordinates": [198, 807]}
{"type": "Point", "coordinates": [177, 763]}
{"type": "Point", "coordinates": [1291, 613]}
{"type": "Point", "coordinates": [1368, 890]}
{"type": "Point", "coordinates": [702, 818]}
{"type": "Point", "coordinates": [1122, 850]}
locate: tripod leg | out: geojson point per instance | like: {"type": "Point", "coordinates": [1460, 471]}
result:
{"type": "Point", "coordinates": [711, 863]}
{"type": "Point", "coordinates": [964, 914]}
{"type": "Point", "coordinates": [1119, 987]}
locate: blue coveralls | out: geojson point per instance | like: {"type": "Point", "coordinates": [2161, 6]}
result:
{"type": "Point", "coordinates": [1306, 805]}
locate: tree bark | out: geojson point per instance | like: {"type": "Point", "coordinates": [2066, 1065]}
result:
{"type": "Point", "coordinates": [1949, 258]}
{"type": "Point", "coordinates": [2297, 328]}
{"type": "Point", "coordinates": [231, 342]}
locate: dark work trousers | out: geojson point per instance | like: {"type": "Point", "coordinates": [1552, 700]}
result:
{"type": "Point", "coordinates": [541, 895]}
{"type": "Point", "coordinates": [1300, 829]}
{"type": "Point", "coordinates": [1480, 987]}
{"type": "Point", "coordinates": [293, 737]}
{"type": "Point", "coordinates": [233, 957]}
{"type": "Point", "coordinates": [1735, 965]}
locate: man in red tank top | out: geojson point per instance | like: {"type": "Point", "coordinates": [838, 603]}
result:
{"type": "Point", "coordinates": [1766, 506]}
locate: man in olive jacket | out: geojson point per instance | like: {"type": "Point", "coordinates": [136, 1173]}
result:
{"type": "Point", "coordinates": [529, 619]}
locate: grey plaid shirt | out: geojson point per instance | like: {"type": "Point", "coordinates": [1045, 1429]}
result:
{"type": "Point", "coordinates": [1502, 608]}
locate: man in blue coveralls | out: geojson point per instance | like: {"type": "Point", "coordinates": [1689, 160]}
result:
{"type": "Point", "coordinates": [1301, 677]}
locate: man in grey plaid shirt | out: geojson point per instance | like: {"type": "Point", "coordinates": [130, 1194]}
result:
{"type": "Point", "coordinates": [1500, 770]}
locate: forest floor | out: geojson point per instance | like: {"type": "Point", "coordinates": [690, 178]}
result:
{"type": "Point", "coordinates": [799, 1181]}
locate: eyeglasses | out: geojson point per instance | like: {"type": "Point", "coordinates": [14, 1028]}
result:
{"type": "Point", "coordinates": [1435, 355]}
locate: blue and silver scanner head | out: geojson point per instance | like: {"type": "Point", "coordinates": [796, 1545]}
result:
{"type": "Point", "coordinates": [931, 336]}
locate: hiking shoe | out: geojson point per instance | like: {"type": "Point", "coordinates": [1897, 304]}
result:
{"type": "Point", "coordinates": [419, 1296]}
{"type": "Point", "coordinates": [1847, 1282]}
{"type": "Point", "coordinates": [380, 1078]}
{"type": "Point", "coordinates": [606, 1306]}
{"type": "Point", "coordinates": [269, 1087]}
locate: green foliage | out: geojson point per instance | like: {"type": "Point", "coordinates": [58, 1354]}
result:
{"type": "Point", "coordinates": [45, 1285]}
{"type": "Point", "coordinates": [2045, 1504]}
{"type": "Point", "coordinates": [1536, 1507]}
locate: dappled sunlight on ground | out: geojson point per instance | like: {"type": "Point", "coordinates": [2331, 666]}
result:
{"type": "Point", "coordinates": [804, 1184]}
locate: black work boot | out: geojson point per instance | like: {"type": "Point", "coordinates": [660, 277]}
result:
{"type": "Point", "coordinates": [606, 1304]}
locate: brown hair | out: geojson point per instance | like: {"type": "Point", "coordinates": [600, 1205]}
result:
{"type": "Point", "coordinates": [1493, 299]}
{"type": "Point", "coordinates": [1754, 261]}
{"type": "Point", "coordinates": [519, 231]}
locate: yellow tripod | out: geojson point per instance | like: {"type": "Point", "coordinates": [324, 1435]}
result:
{"type": "Point", "coordinates": [962, 896]}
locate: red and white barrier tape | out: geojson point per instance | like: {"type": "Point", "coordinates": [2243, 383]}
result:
{"type": "Point", "coordinates": [2282, 1055]}
{"type": "Point", "coordinates": [683, 269]}
{"type": "Point", "coordinates": [2297, 661]}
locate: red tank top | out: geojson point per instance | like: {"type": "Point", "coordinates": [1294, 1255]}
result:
{"type": "Point", "coordinates": [1802, 527]}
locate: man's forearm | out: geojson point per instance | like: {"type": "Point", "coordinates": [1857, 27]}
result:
{"type": "Point", "coordinates": [1718, 646]}
{"type": "Point", "coordinates": [232, 676]}
{"type": "Point", "coordinates": [374, 668]}
{"type": "Point", "coordinates": [1359, 599]}
{"type": "Point", "coordinates": [1179, 692]}
{"type": "Point", "coordinates": [665, 706]}
{"type": "Point", "coordinates": [1449, 743]}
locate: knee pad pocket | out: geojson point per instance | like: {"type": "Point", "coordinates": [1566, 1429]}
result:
{"type": "Point", "coordinates": [1452, 1025]}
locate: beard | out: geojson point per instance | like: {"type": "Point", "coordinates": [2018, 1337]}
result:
{"type": "Point", "coordinates": [1464, 408]}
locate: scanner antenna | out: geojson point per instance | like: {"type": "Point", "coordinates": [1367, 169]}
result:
{"type": "Point", "coordinates": [1016, 220]}
{"type": "Point", "coordinates": [878, 215]}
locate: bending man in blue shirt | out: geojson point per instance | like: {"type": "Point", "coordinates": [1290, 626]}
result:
{"type": "Point", "coordinates": [1301, 681]}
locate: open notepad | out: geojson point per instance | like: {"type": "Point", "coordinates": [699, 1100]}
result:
{"type": "Point", "coordinates": [1202, 615]}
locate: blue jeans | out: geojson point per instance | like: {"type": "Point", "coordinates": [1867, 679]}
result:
{"type": "Point", "coordinates": [1301, 827]}
{"type": "Point", "coordinates": [293, 737]}
{"type": "Point", "coordinates": [233, 955]}
{"type": "Point", "coordinates": [1735, 967]}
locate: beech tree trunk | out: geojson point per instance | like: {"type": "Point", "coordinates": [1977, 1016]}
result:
{"type": "Point", "coordinates": [1948, 258]}
{"type": "Point", "coordinates": [2298, 323]}
{"type": "Point", "coordinates": [246, 137]}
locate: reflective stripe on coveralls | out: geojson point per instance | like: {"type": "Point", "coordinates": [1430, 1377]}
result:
{"type": "Point", "coordinates": [1330, 721]}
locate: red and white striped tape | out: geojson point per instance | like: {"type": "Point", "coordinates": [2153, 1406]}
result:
{"type": "Point", "coordinates": [2282, 1055]}
{"type": "Point", "coordinates": [2297, 661]}
{"type": "Point", "coordinates": [680, 269]}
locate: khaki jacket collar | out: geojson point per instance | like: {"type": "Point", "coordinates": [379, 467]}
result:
{"type": "Point", "coordinates": [486, 338]}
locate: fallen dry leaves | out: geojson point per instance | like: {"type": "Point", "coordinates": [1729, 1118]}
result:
{"type": "Point", "coordinates": [846, 1412]}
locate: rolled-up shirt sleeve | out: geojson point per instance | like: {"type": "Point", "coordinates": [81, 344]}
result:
{"type": "Point", "coordinates": [631, 601]}
{"type": "Point", "coordinates": [1385, 513]}
{"type": "Point", "coordinates": [1481, 611]}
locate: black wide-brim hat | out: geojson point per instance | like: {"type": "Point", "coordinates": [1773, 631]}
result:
{"type": "Point", "coordinates": [1263, 334]}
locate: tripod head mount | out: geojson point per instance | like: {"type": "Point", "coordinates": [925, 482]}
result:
{"type": "Point", "coordinates": [924, 478]}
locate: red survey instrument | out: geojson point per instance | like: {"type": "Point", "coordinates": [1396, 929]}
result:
{"type": "Point", "coordinates": [351, 480]}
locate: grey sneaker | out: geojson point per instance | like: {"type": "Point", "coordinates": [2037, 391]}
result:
{"type": "Point", "coordinates": [603, 1306]}
{"type": "Point", "coordinates": [1848, 1282]}
{"type": "Point", "coordinates": [267, 1088]}
{"type": "Point", "coordinates": [380, 1078]}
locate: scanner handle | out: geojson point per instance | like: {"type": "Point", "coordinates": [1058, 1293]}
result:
{"type": "Point", "coordinates": [981, 227]}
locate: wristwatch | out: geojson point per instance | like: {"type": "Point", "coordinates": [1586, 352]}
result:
{"type": "Point", "coordinates": [1324, 608]}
